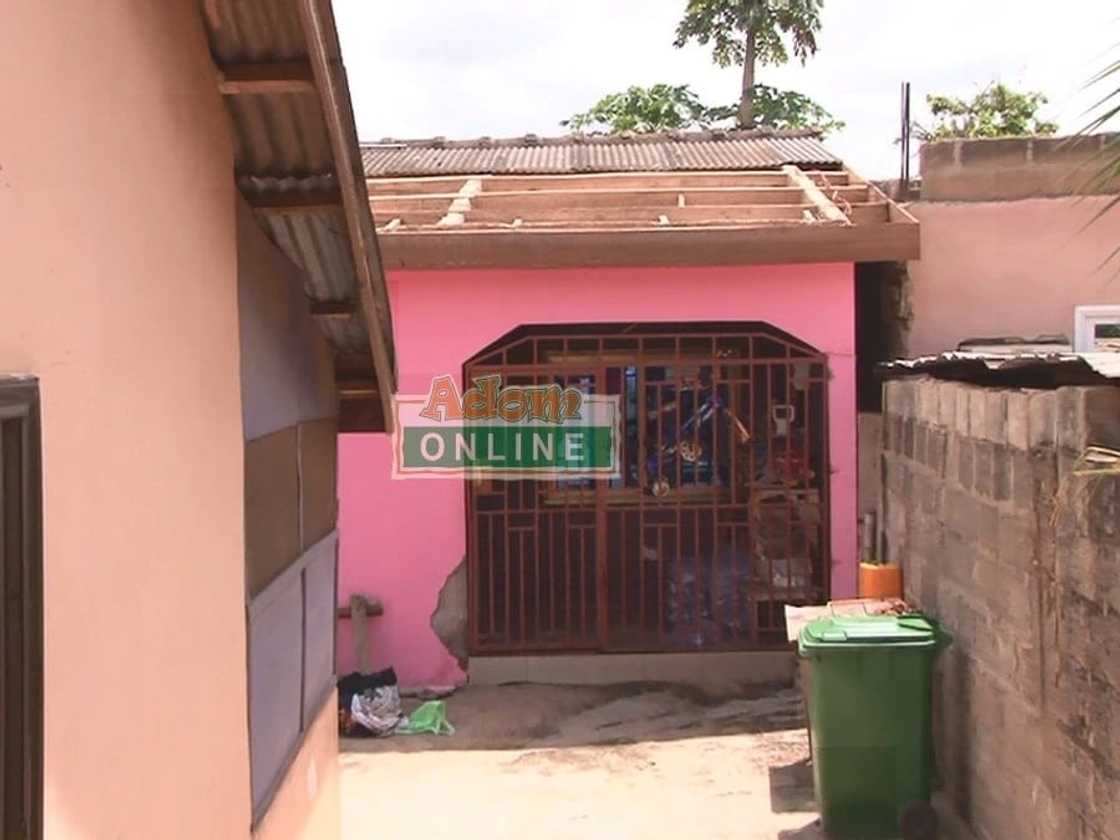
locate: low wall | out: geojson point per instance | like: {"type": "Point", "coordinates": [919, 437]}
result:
{"type": "Point", "coordinates": [1021, 561]}
{"type": "Point", "coordinates": [1007, 168]}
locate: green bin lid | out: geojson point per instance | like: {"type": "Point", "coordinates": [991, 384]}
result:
{"type": "Point", "coordinates": [850, 631]}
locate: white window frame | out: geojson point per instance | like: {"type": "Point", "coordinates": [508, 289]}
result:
{"type": "Point", "coordinates": [1085, 321]}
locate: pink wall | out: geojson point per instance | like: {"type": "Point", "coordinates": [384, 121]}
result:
{"type": "Point", "coordinates": [401, 539]}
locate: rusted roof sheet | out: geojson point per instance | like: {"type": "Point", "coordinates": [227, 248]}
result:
{"type": "Point", "coordinates": [1043, 369]}
{"type": "Point", "coordinates": [682, 151]}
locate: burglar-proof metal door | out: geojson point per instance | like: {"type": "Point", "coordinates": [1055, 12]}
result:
{"type": "Point", "coordinates": [716, 520]}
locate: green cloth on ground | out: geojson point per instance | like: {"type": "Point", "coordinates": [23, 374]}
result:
{"type": "Point", "coordinates": [429, 719]}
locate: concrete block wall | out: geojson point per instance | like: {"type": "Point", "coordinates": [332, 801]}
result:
{"type": "Point", "coordinates": [1021, 561]}
{"type": "Point", "coordinates": [1009, 168]}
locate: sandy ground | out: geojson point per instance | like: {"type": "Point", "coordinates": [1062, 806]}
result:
{"type": "Point", "coordinates": [619, 762]}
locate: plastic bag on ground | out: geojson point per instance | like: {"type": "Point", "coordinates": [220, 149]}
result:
{"type": "Point", "coordinates": [377, 709]}
{"type": "Point", "coordinates": [429, 719]}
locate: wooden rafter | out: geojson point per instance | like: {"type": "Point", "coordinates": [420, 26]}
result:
{"type": "Point", "coordinates": [356, 388]}
{"type": "Point", "coordinates": [829, 211]}
{"type": "Point", "coordinates": [728, 218]}
{"type": "Point", "coordinates": [266, 77]}
{"type": "Point", "coordinates": [295, 201]}
{"type": "Point", "coordinates": [338, 309]}
{"type": "Point", "coordinates": [896, 212]}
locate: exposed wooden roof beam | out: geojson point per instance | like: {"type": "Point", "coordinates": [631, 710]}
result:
{"type": "Point", "coordinates": [384, 204]}
{"type": "Point", "coordinates": [443, 186]}
{"type": "Point", "coordinates": [687, 212]}
{"type": "Point", "coordinates": [829, 211]}
{"type": "Point", "coordinates": [547, 208]}
{"type": "Point", "coordinates": [357, 388]}
{"type": "Point", "coordinates": [340, 309]}
{"type": "Point", "coordinates": [896, 212]}
{"type": "Point", "coordinates": [295, 201]}
{"type": "Point", "coordinates": [266, 77]}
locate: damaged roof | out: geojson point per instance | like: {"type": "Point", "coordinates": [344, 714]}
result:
{"type": "Point", "coordinates": [676, 151]}
{"type": "Point", "coordinates": [1022, 369]}
{"type": "Point", "coordinates": [298, 165]}
{"type": "Point", "coordinates": [782, 214]}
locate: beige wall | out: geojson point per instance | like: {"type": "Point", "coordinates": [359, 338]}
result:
{"type": "Point", "coordinates": [1009, 268]}
{"type": "Point", "coordinates": [118, 282]}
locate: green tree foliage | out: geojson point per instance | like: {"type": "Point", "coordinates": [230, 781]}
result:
{"type": "Point", "coordinates": [997, 111]}
{"type": "Point", "coordinates": [669, 107]}
{"type": "Point", "coordinates": [641, 109]}
{"type": "Point", "coordinates": [751, 32]}
{"type": "Point", "coordinates": [785, 109]}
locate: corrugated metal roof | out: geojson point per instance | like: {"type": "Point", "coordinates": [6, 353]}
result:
{"type": "Point", "coordinates": [1057, 368]}
{"type": "Point", "coordinates": [317, 243]}
{"type": "Point", "coordinates": [279, 136]}
{"type": "Point", "coordinates": [283, 148]}
{"type": "Point", "coordinates": [662, 152]}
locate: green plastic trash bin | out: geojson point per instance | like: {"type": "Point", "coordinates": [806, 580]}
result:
{"type": "Point", "coordinates": [870, 723]}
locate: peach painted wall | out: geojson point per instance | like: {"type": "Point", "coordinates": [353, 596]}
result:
{"type": "Point", "coordinates": [118, 288]}
{"type": "Point", "coordinates": [1009, 268]}
{"type": "Point", "coordinates": [306, 805]}
{"type": "Point", "coordinates": [401, 539]}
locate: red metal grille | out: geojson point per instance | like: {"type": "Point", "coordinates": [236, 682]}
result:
{"type": "Point", "coordinates": [719, 518]}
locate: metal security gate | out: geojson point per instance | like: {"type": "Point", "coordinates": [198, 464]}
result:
{"type": "Point", "coordinates": [718, 519]}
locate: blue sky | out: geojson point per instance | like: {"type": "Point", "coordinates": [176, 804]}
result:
{"type": "Point", "coordinates": [503, 68]}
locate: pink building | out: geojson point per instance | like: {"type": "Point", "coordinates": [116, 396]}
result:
{"type": "Point", "coordinates": [706, 281]}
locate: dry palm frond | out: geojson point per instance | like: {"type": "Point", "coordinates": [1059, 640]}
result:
{"type": "Point", "coordinates": [1077, 487]}
{"type": "Point", "coordinates": [1106, 162]}
{"type": "Point", "coordinates": [1098, 460]}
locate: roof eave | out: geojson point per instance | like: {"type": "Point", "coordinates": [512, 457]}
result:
{"type": "Point", "coordinates": [298, 165]}
{"type": "Point", "coordinates": [330, 80]}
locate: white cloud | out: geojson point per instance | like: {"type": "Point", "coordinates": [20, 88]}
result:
{"type": "Point", "coordinates": [501, 68]}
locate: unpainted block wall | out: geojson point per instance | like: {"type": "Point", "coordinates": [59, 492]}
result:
{"type": "Point", "coordinates": [1020, 560]}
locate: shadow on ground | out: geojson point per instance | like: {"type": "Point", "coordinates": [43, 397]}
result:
{"type": "Point", "coordinates": [812, 831]}
{"type": "Point", "coordinates": [791, 787]}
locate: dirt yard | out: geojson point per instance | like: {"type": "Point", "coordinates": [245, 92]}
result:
{"type": "Point", "coordinates": [636, 761]}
